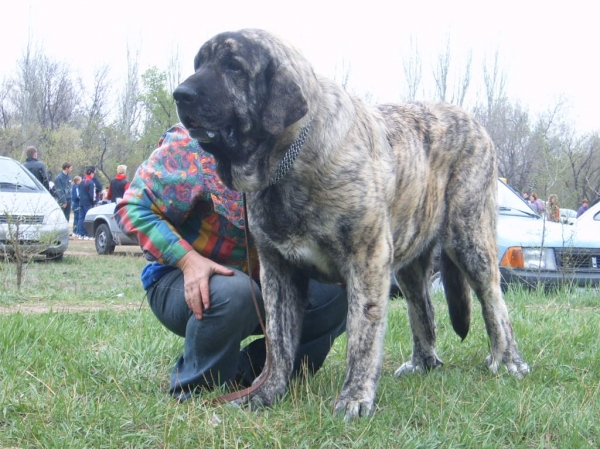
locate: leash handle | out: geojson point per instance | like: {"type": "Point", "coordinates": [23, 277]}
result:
{"type": "Point", "coordinates": [235, 395]}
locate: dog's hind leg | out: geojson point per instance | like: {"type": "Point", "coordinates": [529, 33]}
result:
{"type": "Point", "coordinates": [414, 283]}
{"type": "Point", "coordinates": [475, 253]}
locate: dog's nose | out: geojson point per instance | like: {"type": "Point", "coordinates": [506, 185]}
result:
{"type": "Point", "coordinates": [184, 94]}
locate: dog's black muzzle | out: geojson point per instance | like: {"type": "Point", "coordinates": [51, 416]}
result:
{"type": "Point", "coordinates": [205, 116]}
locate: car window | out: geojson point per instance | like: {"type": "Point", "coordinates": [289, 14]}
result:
{"type": "Point", "coordinates": [15, 177]}
{"type": "Point", "coordinates": [510, 202]}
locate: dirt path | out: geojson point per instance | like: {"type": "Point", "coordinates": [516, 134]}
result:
{"type": "Point", "coordinates": [45, 308]}
{"type": "Point", "coordinates": [87, 248]}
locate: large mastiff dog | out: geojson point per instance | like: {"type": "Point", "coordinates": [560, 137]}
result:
{"type": "Point", "coordinates": [352, 193]}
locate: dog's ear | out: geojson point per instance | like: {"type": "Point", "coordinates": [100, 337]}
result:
{"type": "Point", "coordinates": [285, 104]}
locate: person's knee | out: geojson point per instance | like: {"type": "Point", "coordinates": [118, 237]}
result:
{"type": "Point", "coordinates": [231, 298]}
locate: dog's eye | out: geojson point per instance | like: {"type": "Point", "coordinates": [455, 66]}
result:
{"type": "Point", "coordinates": [234, 66]}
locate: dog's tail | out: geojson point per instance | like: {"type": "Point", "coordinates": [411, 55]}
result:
{"type": "Point", "coordinates": [458, 295]}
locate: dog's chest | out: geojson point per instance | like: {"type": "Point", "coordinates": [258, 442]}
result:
{"type": "Point", "coordinates": [290, 223]}
{"type": "Point", "coordinates": [304, 252]}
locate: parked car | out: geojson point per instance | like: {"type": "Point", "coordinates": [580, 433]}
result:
{"type": "Point", "coordinates": [100, 223]}
{"type": "Point", "coordinates": [588, 223]}
{"type": "Point", "coordinates": [29, 215]}
{"type": "Point", "coordinates": [568, 216]}
{"type": "Point", "coordinates": [533, 251]}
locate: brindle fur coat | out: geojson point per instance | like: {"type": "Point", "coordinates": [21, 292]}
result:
{"type": "Point", "coordinates": [372, 192]}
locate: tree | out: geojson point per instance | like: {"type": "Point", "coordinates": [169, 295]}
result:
{"type": "Point", "coordinates": [508, 126]}
{"type": "Point", "coordinates": [412, 71]}
{"type": "Point", "coordinates": [7, 111]}
{"type": "Point", "coordinates": [442, 78]}
{"type": "Point", "coordinates": [159, 106]}
{"type": "Point", "coordinates": [494, 79]}
{"type": "Point", "coordinates": [582, 156]}
{"type": "Point", "coordinates": [93, 116]}
{"type": "Point", "coordinates": [46, 92]}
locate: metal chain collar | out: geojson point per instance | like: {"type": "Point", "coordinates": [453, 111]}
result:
{"type": "Point", "coordinates": [291, 154]}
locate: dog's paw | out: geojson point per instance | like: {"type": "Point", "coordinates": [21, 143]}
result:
{"type": "Point", "coordinates": [425, 365]}
{"type": "Point", "coordinates": [353, 408]}
{"type": "Point", "coordinates": [264, 396]}
{"type": "Point", "coordinates": [408, 368]}
{"type": "Point", "coordinates": [516, 367]}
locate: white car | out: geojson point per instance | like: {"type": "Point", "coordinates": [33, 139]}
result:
{"type": "Point", "coordinates": [31, 221]}
{"type": "Point", "coordinates": [588, 224]}
{"type": "Point", "coordinates": [568, 216]}
{"type": "Point", "coordinates": [533, 251]}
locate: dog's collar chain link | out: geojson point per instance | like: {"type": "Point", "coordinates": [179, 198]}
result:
{"type": "Point", "coordinates": [290, 155]}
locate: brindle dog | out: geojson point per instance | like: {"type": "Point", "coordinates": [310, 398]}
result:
{"type": "Point", "coordinates": [347, 192]}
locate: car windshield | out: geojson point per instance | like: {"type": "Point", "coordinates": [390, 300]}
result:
{"type": "Point", "coordinates": [510, 202]}
{"type": "Point", "coordinates": [14, 177]}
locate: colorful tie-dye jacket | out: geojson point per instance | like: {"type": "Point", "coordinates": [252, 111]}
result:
{"type": "Point", "coordinates": [176, 203]}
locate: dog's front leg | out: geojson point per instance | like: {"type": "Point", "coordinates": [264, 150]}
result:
{"type": "Point", "coordinates": [285, 293]}
{"type": "Point", "coordinates": [368, 291]}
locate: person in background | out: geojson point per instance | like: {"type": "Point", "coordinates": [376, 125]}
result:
{"type": "Point", "coordinates": [97, 185]}
{"type": "Point", "coordinates": [585, 204]}
{"type": "Point", "coordinates": [75, 205]}
{"type": "Point", "coordinates": [553, 210]}
{"type": "Point", "coordinates": [62, 185]}
{"type": "Point", "coordinates": [536, 203]}
{"type": "Point", "coordinates": [87, 200]}
{"type": "Point", "coordinates": [118, 185]}
{"type": "Point", "coordinates": [37, 168]}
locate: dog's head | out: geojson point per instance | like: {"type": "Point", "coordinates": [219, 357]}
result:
{"type": "Point", "coordinates": [247, 89]}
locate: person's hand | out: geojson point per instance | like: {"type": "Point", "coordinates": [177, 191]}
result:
{"type": "Point", "coordinates": [64, 205]}
{"type": "Point", "coordinates": [197, 271]}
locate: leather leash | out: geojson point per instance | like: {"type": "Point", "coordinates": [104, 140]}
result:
{"type": "Point", "coordinates": [236, 395]}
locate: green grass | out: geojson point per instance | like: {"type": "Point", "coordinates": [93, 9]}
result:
{"type": "Point", "coordinates": [98, 379]}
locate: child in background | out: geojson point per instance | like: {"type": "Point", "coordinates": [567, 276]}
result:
{"type": "Point", "coordinates": [75, 203]}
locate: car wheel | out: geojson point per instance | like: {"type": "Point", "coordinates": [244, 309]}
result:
{"type": "Point", "coordinates": [104, 241]}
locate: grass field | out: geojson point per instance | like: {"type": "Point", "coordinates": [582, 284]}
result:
{"type": "Point", "coordinates": [84, 364]}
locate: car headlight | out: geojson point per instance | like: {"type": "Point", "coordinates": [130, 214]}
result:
{"type": "Point", "coordinates": [55, 217]}
{"type": "Point", "coordinates": [529, 258]}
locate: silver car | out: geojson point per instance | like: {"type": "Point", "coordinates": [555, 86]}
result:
{"type": "Point", "coordinates": [31, 221]}
{"type": "Point", "coordinates": [100, 223]}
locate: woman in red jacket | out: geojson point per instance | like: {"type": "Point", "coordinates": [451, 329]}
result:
{"type": "Point", "coordinates": [118, 185]}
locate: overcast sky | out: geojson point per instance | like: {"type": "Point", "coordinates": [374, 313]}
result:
{"type": "Point", "coordinates": [547, 48]}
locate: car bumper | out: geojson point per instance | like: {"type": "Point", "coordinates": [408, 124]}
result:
{"type": "Point", "coordinates": [56, 246]}
{"type": "Point", "coordinates": [533, 279]}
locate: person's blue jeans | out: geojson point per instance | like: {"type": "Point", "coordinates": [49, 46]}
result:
{"type": "Point", "coordinates": [212, 349]}
{"type": "Point", "coordinates": [82, 211]}
{"type": "Point", "coordinates": [76, 210]}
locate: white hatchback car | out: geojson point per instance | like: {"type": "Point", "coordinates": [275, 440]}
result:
{"type": "Point", "coordinates": [533, 251]}
{"type": "Point", "coordinates": [30, 218]}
